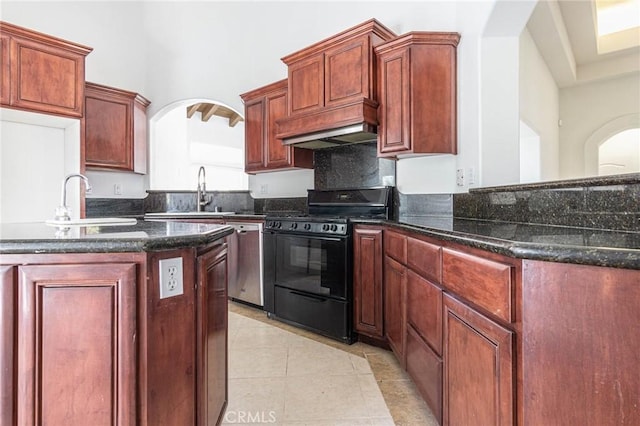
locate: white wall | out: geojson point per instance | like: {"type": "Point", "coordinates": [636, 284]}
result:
{"type": "Point", "coordinates": [540, 105]}
{"type": "Point", "coordinates": [36, 153]}
{"type": "Point", "coordinates": [585, 109]}
{"type": "Point", "coordinates": [171, 51]}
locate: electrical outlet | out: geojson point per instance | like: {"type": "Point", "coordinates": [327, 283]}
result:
{"type": "Point", "coordinates": [460, 177]}
{"type": "Point", "coordinates": [471, 176]}
{"type": "Point", "coordinates": [117, 188]}
{"type": "Point", "coordinates": [171, 282]}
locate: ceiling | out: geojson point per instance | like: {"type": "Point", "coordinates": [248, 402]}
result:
{"type": "Point", "coordinates": [565, 32]}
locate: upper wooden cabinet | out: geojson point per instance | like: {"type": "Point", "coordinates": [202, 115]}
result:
{"type": "Point", "coordinates": [41, 73]}
{"type": "Point", "coordinates": [334, 73]}
{"type": "Point", "coordinates": [417, 94]}
{"type": "Point", "coordinates": [115, 129]}
{"type": "Point", "coordinates": [263, 150]}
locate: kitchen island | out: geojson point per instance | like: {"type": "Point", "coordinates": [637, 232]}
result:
{"type": "Point", "coordinates": [90, 336]}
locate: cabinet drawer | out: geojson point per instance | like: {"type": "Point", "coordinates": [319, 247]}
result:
{"type": "Point", "coordinates": [425, 368]}
{"type": "Point", "coordinates": [424, 309]}
{"type": "Point", "coordinates": [424, 258]}
{"type": "Point", "coordinates": [395, 246]}
{"type": "Point", "coordinates": [486, 283]}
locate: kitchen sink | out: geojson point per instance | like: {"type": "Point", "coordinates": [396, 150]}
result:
{"type": "Point", "coordinates": [93, 221]}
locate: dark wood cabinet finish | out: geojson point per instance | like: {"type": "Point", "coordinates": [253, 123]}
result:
{"type": "Point", "coordinates": [7, 339]}
{"type": "Point", "coordinates": [5, 70]}
{"type": "Point", "coordinates": [395, 246]}
{"type": "Point", "coordinates": [263, 150]}
{"type": "Point", "coordinates": [115, 129]}
{"type": "Point", "coordinates": [478, 368]}
{"type": "Point", "coordinates": [211, 341]}
{"type": "Point", "coordinates": [425, 369]}
{"type": "Point", "coordinates": [424, 310]}
{"type": "Point", "coordinates": [367, 281]}
{"type": "Point", "coordinates": [46, 74]}
{"type": "Point", "coordinates": [76, 356]}
{"type": "Point", "coordinates": [425, 258]}
{"type": "Point", "coordinates": [580, 345]}
{"type": "Point", "coordinates": [395, 283]}
{"type": "Point", "coordinates": [417, 94]}
{"type": "Point", "coordinates": [485, 283]}
{"type": "Point", "coordinates": [306, 85]}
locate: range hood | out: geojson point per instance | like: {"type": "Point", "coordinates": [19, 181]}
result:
{"type": "Point", "coordinates": [347, 135]}
{"type": "Point", "coordinates": [343, 124]}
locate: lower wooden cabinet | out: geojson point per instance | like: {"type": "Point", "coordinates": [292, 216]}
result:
{"type": "Point", "coordinates": [395, 283]}
{"type": "Point", "coordinates": [76, 329]}
{"type": "Point", "coordinates": [425, 368]}
{"type": "Point", "coordinates": [211, 341]}
{"type": "Point", "coordinates": [478, 368]}
{"type": "Point", "coordinates": [367, 281]}
{"type": "Point", "coordinates": [7, 340]}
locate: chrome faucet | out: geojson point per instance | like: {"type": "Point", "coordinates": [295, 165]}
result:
{"type": "Point", "coordinates": [62, 212]}
{"type": "Point", "coordinates": [201, 200]}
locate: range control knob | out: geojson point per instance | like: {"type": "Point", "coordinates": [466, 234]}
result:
{"type": "Point", "coordinates": [325, 227]}
{"type": "Point", "coordinates": [307, 226]}
{"type": "Point", "coordinates": [278, 224]}
{"type": "Point", "coordinates": [294, 225]}
{"type": "Point", "coordinates": [334, 227]}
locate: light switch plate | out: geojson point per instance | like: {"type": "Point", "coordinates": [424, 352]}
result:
{"type": "Point", "coordinates": [171, 280]}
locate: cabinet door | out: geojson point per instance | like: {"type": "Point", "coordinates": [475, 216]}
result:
{"type": "Point", "coordinates": [76, 344]}
{"type": "Point", "coordinates": [5, 70]}
{"type": "Point", "coordinates": [424, 309]}
{"type": "Point", "coordinates": [478, 368]}
{"type": "Point", "coordinates": [108, 131]}
{"type": "Point", "coordinates": [346, 72]}
{"type": "Point", "coordinates": [211, 341]}
{"type": "Point", "coordinates": [278, 155]}
{"type": "Point", "coordinates": [394, 113]}
{"type": "Point", "coordinates": [7, 334]}
{"type": "Point", "coordinates": [46, 78]}
{"type": "Point", "coordinates": [395, 278]}
{"type": "Point", "coordinates": [367, 281]}
{"type": "Point", "coordinates": [425, 368]}
{"type": "Point", "coordinates": [306, 85]}
{"type": "Point", "coordinates": [254, 135]}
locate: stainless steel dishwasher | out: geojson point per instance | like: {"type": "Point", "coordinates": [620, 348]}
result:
{"type": "Point", "coordinates": [245, 266]}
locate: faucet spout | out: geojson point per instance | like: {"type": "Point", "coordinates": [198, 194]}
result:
{"type": "Point", "coordinates": [201, 200]}
{"type": "Point", "coordinates": [62, 212]}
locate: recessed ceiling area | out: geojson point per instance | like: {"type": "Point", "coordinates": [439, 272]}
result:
{"type": "Point", "coordinates": [566, 34]}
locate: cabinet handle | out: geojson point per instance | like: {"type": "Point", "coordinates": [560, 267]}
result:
{"type": "Point", "coordinates": [309, 297]}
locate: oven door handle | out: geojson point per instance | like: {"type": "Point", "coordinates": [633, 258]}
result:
{"type": "Point", "coordinates": [317, 299]}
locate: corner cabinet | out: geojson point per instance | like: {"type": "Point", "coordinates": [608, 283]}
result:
{"type": "Point", "coordinates": [367, 281]}
{"type": "Point", "coordinates": [263, 151]}
{"type": "Point", "coordinates": [417, 94]}
{"type": "Point", "coordinates": [41, 73]}
{"type": "Point", "coordinates": [115, 129]}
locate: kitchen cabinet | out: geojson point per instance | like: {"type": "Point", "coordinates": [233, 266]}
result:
{"type": "Point", "coordinates": [367, 281]}
{"type": "Point", "coordinates": [7, 338]}
{"type": "Point", "coordinates": [41, 73]}
{"type": "Point", "coordinates": [417, 94]}
{"type": "Point", "coordinates": [211, 342]}
{"type": "Point", "coordinates": [395, 282]}
{"type": "Point", "coordinates": [478, 368]}
{"type": "Point", "coordinates": [263, 150]}
{"type": "Point", "coordinates": [76, 358]}
{"type": "Point", "coordinates": [332, 83]}
{"type": "Point", "coordinates": [115, 129]}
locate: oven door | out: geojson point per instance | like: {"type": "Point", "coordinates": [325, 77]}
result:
{"type": "Point", "coordinates": [312, 264]}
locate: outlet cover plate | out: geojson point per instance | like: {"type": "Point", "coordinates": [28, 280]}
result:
{"type": "Point", "coordinates": [171, 277]}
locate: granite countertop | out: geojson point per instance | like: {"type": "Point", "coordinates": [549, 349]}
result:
{"type": "Point", "coordinates": [145, 235]}
{"type": "Point", "coordinates": [203, 215]}
{"type": "Point", "coordinates": [527, 241]}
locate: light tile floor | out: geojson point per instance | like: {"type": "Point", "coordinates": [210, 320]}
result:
{"type": "Point", "coordinates": [283, 375]}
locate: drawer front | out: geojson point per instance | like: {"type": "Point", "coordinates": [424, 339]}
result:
{"type": "Point", "coordinates": [395, 246]}
{"type": "Point", "coordinates": [486, 283]}
{"type": "Point", "coordinates": [425, 368]}
{"type": "Point", "coordinates": [424, 309]}
{"type": "Point", "coordinates": [424, 258]}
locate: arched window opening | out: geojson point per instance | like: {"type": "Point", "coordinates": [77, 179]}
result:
{"type": "Point", "coordinates": [620, 153]}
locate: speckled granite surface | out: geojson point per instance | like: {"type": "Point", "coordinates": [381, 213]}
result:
{"type": "Point", "coordinates": [185, 201]}
{"type": "Point", "coordinates": [143, 236]}
{"type": "Point", "coordinates": [537, 242]}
